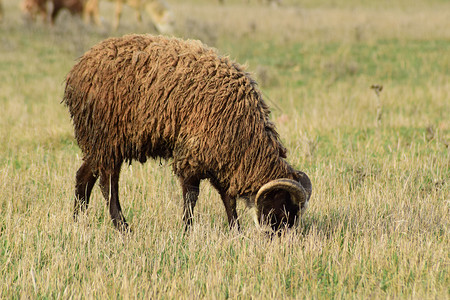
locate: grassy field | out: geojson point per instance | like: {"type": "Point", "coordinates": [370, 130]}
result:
{"type": "Point", "coordinates": [378, 223]}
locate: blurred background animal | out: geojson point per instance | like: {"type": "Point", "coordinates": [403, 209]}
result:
{"type": "Point", "coordinates": [32, 9]}
{"type": "Point", "coordinates": [91, 12]}
{"type": "Point", "coordinates": [49, 9]}
{"type": "Point", "coordinates": [158, 10]}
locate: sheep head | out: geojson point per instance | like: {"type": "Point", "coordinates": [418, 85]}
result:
{"type": "Point", "coordinates": [281, 202]}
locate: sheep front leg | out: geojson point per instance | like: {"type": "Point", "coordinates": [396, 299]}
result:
{"type": "Point", "coordinates": [230, 208]}
{"type": "Point", "coordinates": [85, 180]}
{"type": "Point", "coordinates": [191, 188]}
{"type": "Point", "coordinates": [229, 203]}
{"type": "Point", "coordinates": [109, 184]}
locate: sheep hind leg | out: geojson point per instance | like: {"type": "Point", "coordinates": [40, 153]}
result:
{"type": "Point", "coordinates": [191, 188]}
{"type": "Point", "coordinates": [85, 180]}
{"type": "Point", "coordinates": [109, 184]}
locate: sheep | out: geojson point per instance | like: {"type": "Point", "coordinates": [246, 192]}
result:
{"type": "Point", "coordinates": [141, 96]}
{"type": "Point", "coordinates": [32, 8]}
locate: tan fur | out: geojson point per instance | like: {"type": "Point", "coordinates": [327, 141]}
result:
{"type": "Point", "coordinates": [158, 10]}
{"type": "Point", "coordinates": [91, 12]}
{"type": "Point", "coordinates": [143, 96]}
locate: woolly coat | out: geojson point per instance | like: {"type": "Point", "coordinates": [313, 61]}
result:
{"type": "Point", "coordinates": [143, 96]}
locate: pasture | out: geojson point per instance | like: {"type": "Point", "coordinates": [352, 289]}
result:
{"type": "Point", "coordinates": [378, 221]}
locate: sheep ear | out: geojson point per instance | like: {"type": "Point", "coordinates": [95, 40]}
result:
{"type": "Point", "coordinates": [298, 194]}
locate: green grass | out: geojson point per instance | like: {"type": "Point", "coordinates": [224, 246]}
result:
{"type": "Point", "coordinates": [378, 222]}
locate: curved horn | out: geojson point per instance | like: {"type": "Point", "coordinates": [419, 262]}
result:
{"type": "Point", "coordinates": [298, 193]}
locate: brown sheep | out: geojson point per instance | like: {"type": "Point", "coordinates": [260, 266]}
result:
{"type": "Point", "coordinates": [143, 96]}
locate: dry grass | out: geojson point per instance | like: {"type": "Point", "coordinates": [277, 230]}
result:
{"type": "Point", "coordinates": [378, 224]}
{"type": "Point", "coordinates": [295, 22]}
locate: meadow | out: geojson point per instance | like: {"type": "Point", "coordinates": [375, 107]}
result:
{"type": "Point", "coordinates": [378, 221]}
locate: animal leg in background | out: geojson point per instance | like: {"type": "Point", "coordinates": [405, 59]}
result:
{"type": "Point", "coordinates": [85, 180]}
{"type": "Point", "coordinates": [191, 189]}
{"type": "Point", "coordinates": [91, 12]}
{"type": "Point", "coordinates": [138, 15]}
{"type": "Point", "coordinates": [119, 7]}
{"type": "Point", "coordinates": [57, 6]}
{"type": "Point", "coordinates": [109, 184]}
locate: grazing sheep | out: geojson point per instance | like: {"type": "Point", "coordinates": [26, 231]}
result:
{"type": "Point", "coordinates": [143, 96]}
{"type": "Point", "coordinates": [32, 8]}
